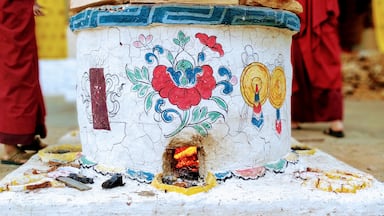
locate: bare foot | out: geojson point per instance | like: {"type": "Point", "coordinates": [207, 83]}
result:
{"type": "Point", "coordinates": [337, 125]}
{"type": "Point", "coordinates": [295, 125]}
{"type": "Point", "coordinates": [14, 155]}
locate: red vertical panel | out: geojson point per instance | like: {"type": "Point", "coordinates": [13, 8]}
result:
{"type": "Point", "coordinates": [98, 98]}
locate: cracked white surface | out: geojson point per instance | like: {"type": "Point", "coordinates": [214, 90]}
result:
{"type": "Point", "coordinates": [138, 142]}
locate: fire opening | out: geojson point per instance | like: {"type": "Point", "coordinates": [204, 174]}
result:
{"type": "Point", "coordinates": [183, 166]}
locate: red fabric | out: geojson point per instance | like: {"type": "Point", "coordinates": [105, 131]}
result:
{"type": "Point", "coordinates": [22, 113]}
{"type": "Point", "coordinates": [318, 43]}
{"type": "Point", "coordinates": [312, 104]}
{"type": "Point", "coordinates": [317, 78]}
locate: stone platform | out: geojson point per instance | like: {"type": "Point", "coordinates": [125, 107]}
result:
{"type": "Point", "coordinates": [272, 194]}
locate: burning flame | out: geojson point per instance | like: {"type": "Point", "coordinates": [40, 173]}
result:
{"type": "Point", "coordinates": [185, 152]}
{"type": "Point", "coordinates": [186, 157]}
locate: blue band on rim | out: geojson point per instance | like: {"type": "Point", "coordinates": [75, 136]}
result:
{"type": "Point", "coordinates": [144, 15]}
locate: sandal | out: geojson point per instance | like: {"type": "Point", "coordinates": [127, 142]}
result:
{"type": "Point", "coordinates": [36, 145]}
{"type": "Point", "coordinates": [337, 134]}
{"type": "Point", "coordinates": [18, 158]}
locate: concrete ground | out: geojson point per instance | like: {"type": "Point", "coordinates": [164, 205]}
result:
{"type": "Point", "coordinates": [362, 148]}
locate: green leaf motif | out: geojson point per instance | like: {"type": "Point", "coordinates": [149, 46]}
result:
{"type": "Point", "coordinates": [170, 57]}
{"type": "Point", "coordinates": [203, 112]}
{"type": "Point", "coordinates": [187, 39]}
{"type": "Point", "coordinates": [145, 74]}
{"type": "Point", "coordinates": [183, 123]}
{"type": "Point", "coordinates": [195, 115]}
{"type": "Point", "coordinates": [130, 75]}
{"type": "Point", "coordinates": [183, 81]}
{"type": "Point", "coordinates": [138, 74]}
{"type": "Point", "coordinates": [143, 91]}
{"type": "Point", "coordinates": [176, 41]}
{"type": "Point", "coordinates": [182, 39]}
{"type": "Point", "coordinates": [148, 101]}
{"type": "Point", "coordinates": [181, 35]}
{"type": "Point", "coordinates": [136, 87]}
{"type": "Point", "coordinates": [201, 130]}
{"type": "Point", "coordinates": [183, 65]}
{"type": "Point", "coordinates": [220, 102]}
{"type": "Point", "coordinates": [203, 119]}
{"type": "Point", "coordinates": [214, 115]}
{"type": "Point", "coordinates": [206, 125]}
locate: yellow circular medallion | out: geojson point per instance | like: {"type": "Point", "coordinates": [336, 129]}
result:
{"type": "Point", "coordinates": [255, 74]}
{"type": "Point", "coordinates": [277, 88]}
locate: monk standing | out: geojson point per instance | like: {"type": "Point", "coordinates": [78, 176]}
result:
{"type": "Point", "coordinates": [22, 115]}
{"type": "Point", "coordinates": [316, 58]}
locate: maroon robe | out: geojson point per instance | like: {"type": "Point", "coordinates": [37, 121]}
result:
{"type": "Point", "coordinates": [22, 109]}
{"type": "Point", "coordinates": [316, 61]}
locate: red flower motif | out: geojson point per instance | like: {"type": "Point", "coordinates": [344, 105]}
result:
{"type": "Point", "coordinates": [184, 98]}
{"type": "Point", "coordinates": [210, 42]}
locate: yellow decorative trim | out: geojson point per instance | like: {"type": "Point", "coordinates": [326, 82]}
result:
{"type": "Point", "coordinates": [306, 152]}
{"type": "Point", "coordinates": [60, 153]}
{"type": "Point", "coordinates": [292, 157]}
{"type": "Point", "coordinates": [303, 149]}
{"type": "Point", "coordinates": [210, 182]}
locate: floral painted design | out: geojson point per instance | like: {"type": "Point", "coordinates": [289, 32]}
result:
{"type": "Point", "coordinates": [197, 85]}
{"type": "Point", "coordinates": [210, 41]}
{"type": "Point", "coordinates": [177, 87]}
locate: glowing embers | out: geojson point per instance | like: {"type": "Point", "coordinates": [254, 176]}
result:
{"type": "Point", "coordinates": [184, 168]}
{"type": "Point", "coordinates": [187, 166]}
{"type": "Point", "coordinates": [181, 166]}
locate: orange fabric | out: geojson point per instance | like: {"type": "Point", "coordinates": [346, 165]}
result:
{"type": "Point", "coordinates": [23, 112]}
